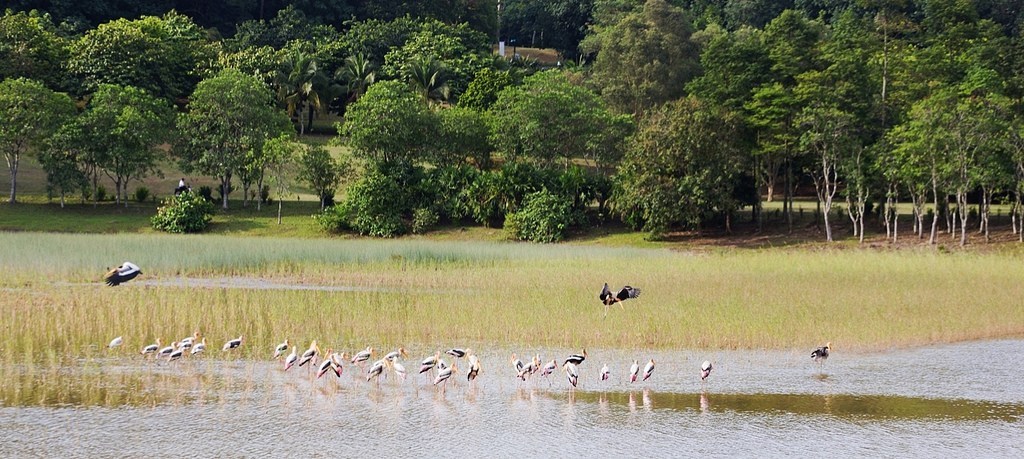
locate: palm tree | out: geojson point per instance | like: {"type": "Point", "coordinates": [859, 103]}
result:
{"type": "Point", "coordinates": [358, 74]}
{"type": "Point", "coordinates": [427, 76]}
{"type": "Point", "coordinates": [298, 83]}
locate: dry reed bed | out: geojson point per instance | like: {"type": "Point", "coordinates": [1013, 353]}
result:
{"type": "Point", "coordinates": [417, 292]}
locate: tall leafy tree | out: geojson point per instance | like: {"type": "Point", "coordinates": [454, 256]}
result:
{"type": "Point", "coordinates": [129, 124]}
{"type": "Point", "coordinates": [644, 58]}
{"type": "Point", "coordinates": [229, 114]}
{"type": "Point", "coordinates": [30, 47]}
{"type": "Point", "coordinates": [462, 135]}
{"type": "Point", "coordinates": [279, 158]}
{"type": "Point", "coordinates": [357, 73]}
{"type": "Point", "coordinates": [390, 123]}
{"type": "Point", "coordinates": [734, 63]}
{"type": "Point", "coordinates": [681, 168]}
{"type": "Point", "coordinates": [826, 131]}
{"type": "Point", "coordinates": [62, 160]}
{"type": "Point", "coordinates": [323, 174]}
{"type": "Point", "coordinates": [482, 92]}
{"type": "Point", "coordinates": [549, 119]}
{"type": "Point", "coordinates": [792, 43]}
{"type": "Point", "coordinates": [29, 113]}
{"type": "Point", "coordinates": [428, 77]}
{"type": "Point", "coordinates": [165, 55]}
{"type": "Point", "coordinates": [299, 82]}
{"type": "Point", "coordinates": [459, 51]}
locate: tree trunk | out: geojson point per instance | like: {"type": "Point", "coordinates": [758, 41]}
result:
{"type": "Point", "coordinates": [788, 198]}
{"type": "Point", "coordinates": [935, 218]}
{"type": "Point", "coordinates": [225, 184]}
{"type": "Point", "coordinates": [12, 164]}
{"type": "Point", "coordinates": [259, 193]}
{"type": "Point", "coordinates": [309, 116]}
{"type": "Point", "coordinates": [14, 182]}
{"type": "Point", "coordinates": [895, 219]}
{"type": "Point", "coordinates": [851, 212]}
{"type": "Point", "coordinates": [962, 207]}
{"type": "Point", "coordinates": [279, 210]}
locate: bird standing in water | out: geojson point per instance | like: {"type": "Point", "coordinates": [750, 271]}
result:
{"type": "Point", "coordinates": [820, 355]}
{"type": "Point", "coordinates": [648, 369]}
{"type": "Point", "coordinates": [705, 370]}
{"type": "Point", "coordinates": [474, 367]}
{"type": "Point", "coordinates": [576, 359]}
{"type": "Point", "coordinates": [571, 372]}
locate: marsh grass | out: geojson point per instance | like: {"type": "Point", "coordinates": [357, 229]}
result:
{"type": "Point", "coordinates": [54, 309]}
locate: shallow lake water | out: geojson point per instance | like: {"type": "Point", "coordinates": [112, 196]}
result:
{"type": "Point", "coordinates": [957, 400]}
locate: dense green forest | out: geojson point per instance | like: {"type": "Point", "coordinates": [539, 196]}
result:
{"type": "Point", "coordinates": [662, 114]}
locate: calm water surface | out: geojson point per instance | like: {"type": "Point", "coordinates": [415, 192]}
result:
{"type": "Point", "coordinates": [957, 400]}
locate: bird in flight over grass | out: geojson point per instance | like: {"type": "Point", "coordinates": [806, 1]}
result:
{"type": "Point", "coordinates": [124, 273]}
{"type": "Point", "coordinates": [609, 298]}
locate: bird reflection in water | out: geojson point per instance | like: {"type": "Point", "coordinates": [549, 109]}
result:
{"type": "Point", "coordinates": [705, 405]}
{"type": "Point", "coordinates": [646, 399]}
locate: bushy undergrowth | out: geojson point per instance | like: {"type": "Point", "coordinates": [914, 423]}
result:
{"type": "Point", "coordinates": [543, 217]}
{"type": "Point", "coordinates": [394, 199]}
{"type": "Point", "coordinates": [187, 212]}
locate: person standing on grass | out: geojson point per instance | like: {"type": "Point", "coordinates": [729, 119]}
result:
{"type": "Point", "coordinates": [181, 187]}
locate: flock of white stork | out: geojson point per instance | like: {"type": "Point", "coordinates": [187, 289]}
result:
{"type": "Point", "coordinates": [332, 361]}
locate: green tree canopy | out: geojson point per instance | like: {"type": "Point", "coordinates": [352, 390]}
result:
{"type": "Point", "coordinates": [645, 58]}
{"type": "Point", "coordinates": [390, 123]}
{"type": "Point", "coordinates": [550, 119]}
{"type": "Point", "coordinates": [165, 55]}
{"type": "Point", "coordinates": [681, 168]}
{"type": "Point", "coordinates": [30, 47]}
{"type": "Point", "coordinates": [127, 124]}
{"type": "Point", "coordinates": [29, 114]}
{"type": "Point", "coordinates": [229, 114]}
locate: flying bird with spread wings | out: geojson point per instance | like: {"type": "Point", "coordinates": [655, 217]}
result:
{"type": "Point", "coordinates": [609, 298]}
{"type": "Point", "coordinates": [121, 274]}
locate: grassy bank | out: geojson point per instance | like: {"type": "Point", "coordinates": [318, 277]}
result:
{"type": "Point", "coordinates": [387, 293]}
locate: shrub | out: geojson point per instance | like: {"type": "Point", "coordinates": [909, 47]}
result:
{"type": "Point", "coordinates": [423, 219]}
{"type": "Point", "coordinates": [141, 194]}
{"type": "Point", "coordinates": [187, 212]}
{"type": "Point", "coordinates": [543, 217]}
{"type": "Point", "coordinates": [448, 186]}
{"type": "Point", "coordinates": [101, 193]}
{"type": "Point", "coordinates": [206, 192]}
{"type": "Point", "coordinates": [494, 194]}
{"type": "Point", "coordinates": [265, 194]}
{"type": "Point", "coordinates": [334, 219]}
{"type": "Point", "coordinates": [374, 206]}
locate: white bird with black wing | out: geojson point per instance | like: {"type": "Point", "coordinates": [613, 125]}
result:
{"type": "Point", "coordinates": [820, 355]}
{"type": "Point", "coordinates": [121, 274]}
